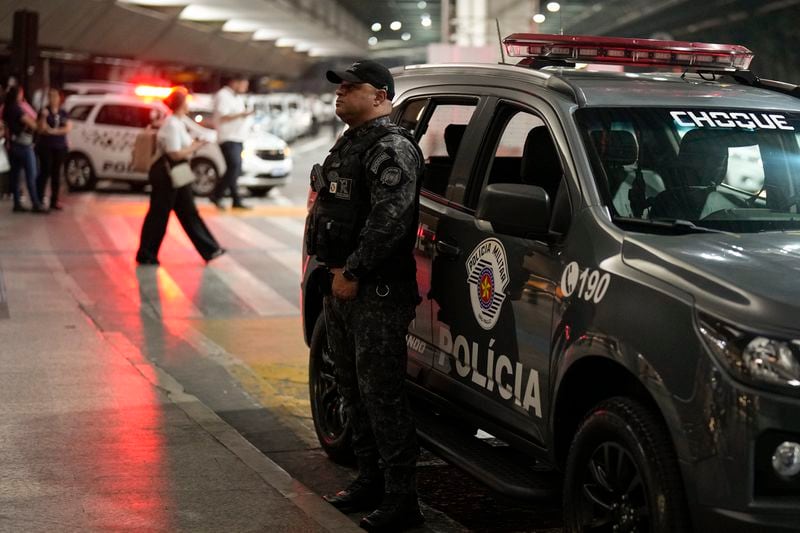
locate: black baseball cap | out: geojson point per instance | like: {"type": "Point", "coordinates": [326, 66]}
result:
{"type": "Point", "coordinates": [365, 71]}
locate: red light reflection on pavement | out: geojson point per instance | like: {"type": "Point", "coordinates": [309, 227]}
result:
{"type": "Point", "coordinates": [127, 478]}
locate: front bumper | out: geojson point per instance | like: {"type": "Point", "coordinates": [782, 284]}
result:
{"type": "Point", "coordinates": [733, 486]}
{"type": "Point", "coordinates": [258, 172]}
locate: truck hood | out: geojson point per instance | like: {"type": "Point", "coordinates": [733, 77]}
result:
{"type": "Point", "coordinates": [749, 279]}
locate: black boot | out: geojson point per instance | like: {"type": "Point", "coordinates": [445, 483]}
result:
{"type": "Point", "coordinates": [363, 494]}
{"type": "Point", "coordinates": [398, 512]}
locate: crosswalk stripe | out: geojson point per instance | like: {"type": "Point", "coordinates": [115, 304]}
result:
{"type": "Point", "coordinates": [293, 226]}
{"type": "Point", "coordinates": [121, 234]}
{"type": "Point", "coordinates": [262, 298]}
{"type": "Point", "coordinates": [248, 234]}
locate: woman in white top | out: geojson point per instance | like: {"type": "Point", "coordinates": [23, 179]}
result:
{"type": "Point", "coordinates": [177, 147]}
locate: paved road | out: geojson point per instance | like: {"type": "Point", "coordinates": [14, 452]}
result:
{"type": "Point", "coordinates": [230, 332]}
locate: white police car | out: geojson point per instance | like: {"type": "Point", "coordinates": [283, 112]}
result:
{"type": "Point", "coordinates": [105, 127]}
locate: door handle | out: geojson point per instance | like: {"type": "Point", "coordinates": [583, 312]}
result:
{"type": "Point", "coordinates": [447, 250]}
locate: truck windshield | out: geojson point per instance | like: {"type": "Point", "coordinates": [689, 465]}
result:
{"type": "Point", "coordinates": [728, 169]}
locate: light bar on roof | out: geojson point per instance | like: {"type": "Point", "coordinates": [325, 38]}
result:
{"type": "Point", "coordinates": [151, 91]}
{"type": "Point", "coordinates": [622, 51]}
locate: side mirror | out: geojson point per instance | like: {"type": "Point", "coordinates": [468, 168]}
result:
{"type": "Point", "coordinates": [517, 210]}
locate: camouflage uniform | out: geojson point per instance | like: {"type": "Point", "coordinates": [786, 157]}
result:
{"type": "Point", "coordinates": [366, 335]}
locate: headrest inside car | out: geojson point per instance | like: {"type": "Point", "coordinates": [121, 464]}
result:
{"type": "Point", "coordinates": [453, 134]}
{"type": "Point", "coordinates": [703, 156]}
{"type": "Point", "coordinates": [616, 147]}
{"type": "Point", "coordinates": [540, 163]}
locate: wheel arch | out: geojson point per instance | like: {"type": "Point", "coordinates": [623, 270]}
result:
{"type": "Point", "coordinates": [85, 155]}
{"type": "Point", "coordinates": [586, 383]}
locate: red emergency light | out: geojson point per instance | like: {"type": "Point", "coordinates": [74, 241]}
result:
{"type": "Point", "coordinates": [623, 51]}
{"type": "Point", "coordinates": [151, 91]}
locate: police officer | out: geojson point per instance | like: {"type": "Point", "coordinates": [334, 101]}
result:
{"type": "Point", "coordinates": [363, 228]}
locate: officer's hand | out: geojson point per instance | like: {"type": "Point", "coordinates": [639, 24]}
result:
{"type": "Point", "coordinates": [343, 288]}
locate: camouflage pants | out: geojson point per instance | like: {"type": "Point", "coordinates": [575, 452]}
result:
{"type": "Point", "coordinates": [366, 337]}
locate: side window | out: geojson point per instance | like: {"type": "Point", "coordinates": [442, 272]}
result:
{"type": "Point", "coordinates": [80, 112]}
{"type": "Point", "coordinates": [440, 142]}
{"type": "Point", "coordinates": [412, 115]}
{"type": "Point", "coordinates": [124, 115]}
{"type": "Point", "coordinates": [526, 154]}
{"type": "Point", "coordinates": [507, 164]}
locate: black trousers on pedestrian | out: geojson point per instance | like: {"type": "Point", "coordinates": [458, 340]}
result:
{"type": "Point", "coordinates": [367, 339]}
{"type": "Point", "coordinates": [51, 163]}
{"type": "Point", "coordinates": [164, 198]}
{"type": "Point", "coordinates": [232, 152]}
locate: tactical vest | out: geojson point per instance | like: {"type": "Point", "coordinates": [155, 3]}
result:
{"type": "Point", "coordinates": [343, 200]}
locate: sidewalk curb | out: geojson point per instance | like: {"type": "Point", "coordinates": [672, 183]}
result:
{"type": "Point", "coordinates": [298, 494]}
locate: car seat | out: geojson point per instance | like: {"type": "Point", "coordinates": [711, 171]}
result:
{"type": "Point", "coordinates": [702, 166]}
{"type": "Point", "coordinates": [541, 166]}
{"type": "Point", "coordinates": [616, 149]}
{"type": "Point", "coordinates": [540, 163]}
{"type": "Point", "coordinates": [438, 169]}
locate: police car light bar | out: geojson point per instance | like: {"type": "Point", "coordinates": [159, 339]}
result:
{"type": "Point", "coordinates": [151, 91]}
{"type": "Point", "coordinates": [622, 51]}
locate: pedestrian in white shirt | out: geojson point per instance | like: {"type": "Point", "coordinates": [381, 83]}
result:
{"type": "Point", "coordinates": [176, 146]}
{"type": "Point", "coordinates": [232, 120]}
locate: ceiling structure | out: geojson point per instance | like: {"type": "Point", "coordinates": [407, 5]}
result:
{"type": "Point", "coordinates": [283, 38]}
{"type": "Point", "coordinates": [644, 18]}
{"type": "Point", "coordinates": [279, 37]}
{"type": "Point", "coordinates": [411, 14]}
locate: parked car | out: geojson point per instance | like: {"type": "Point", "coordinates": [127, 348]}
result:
{"type": "Point", "coordinates": [106, 125]}
{"type": "Point", "coordinates": [603, 291]}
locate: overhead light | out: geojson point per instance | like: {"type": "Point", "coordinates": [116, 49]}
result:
{"type": "Point", "coordinates": [396, 25]}
{"type": "Point", "coordinates": [287, 42]}
{"type": "Point", "coordinates": [265, 34]}
{"type": "Point", "coordinates": [156, 3]}
{"type": "Point", "coordinates": [372, 41]}
{"type": "Point", "coordinates": [422, 4]}
{"type": "Point", "coordinates": [538, 18]}
{"type": "Point", "coordinates": [426, 20]}
{"type": "Point", "coordinates": [302, 47]}
{"type": "Point", "coordinates": [240, 25]}
{"type": "Point", "coordinates": [553, 7]}
{"type": "Point", "coordinates": [319, 52]}
{"type": "Point", "coordinates": [406, 36]}
{"type": "Point", "coordinates": [376, 26]}
{"type": "Point", "coordinates": [203, 13]}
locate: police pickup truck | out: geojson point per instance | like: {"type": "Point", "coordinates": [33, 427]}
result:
{"type": "Point", "coordinates": [609, 263]}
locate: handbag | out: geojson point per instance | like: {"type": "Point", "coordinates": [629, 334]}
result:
{"type": "Point", "coordinates": [181, 174]}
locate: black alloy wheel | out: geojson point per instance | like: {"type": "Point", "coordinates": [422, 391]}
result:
{"type": "Point", "coordinates": [327, 405]}
{"type": "Point", "coordinates": [79, 174]}
{"type": "Point", "coordinates": [622, 474]}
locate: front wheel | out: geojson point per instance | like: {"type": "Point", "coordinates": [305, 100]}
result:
{"type": "Point", "coordinates": [206, 176]}
{"type": "Point", "coordinates": [79, 173]}
{"type": "Point", "coordinates": [327, 405]}
{"type": "Point", "coordinates": [622, 473]}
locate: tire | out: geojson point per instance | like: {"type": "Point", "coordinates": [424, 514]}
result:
{"type": "Point", "coordinates": [645, 493]}
{"type": "Point", "coordinates": [206, 176]}
{"type": "Point", "coordinates": [79, 174]}
{"type": "Point", "coordinates": [327, 408]}
{"type": "Point", "coordinates": [259, 192]}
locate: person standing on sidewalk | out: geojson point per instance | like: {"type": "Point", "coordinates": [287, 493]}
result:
{"type": "Point", "coordinates": [232, 121]}
{"type": "Point", "coordinates": [176, 146]}
{"type": "Point", "coordinates": [363, 226]}
{"type": "Point", "coordinates": [22, 126]}
{"type": "Point", "coordinates": [54, 125]}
